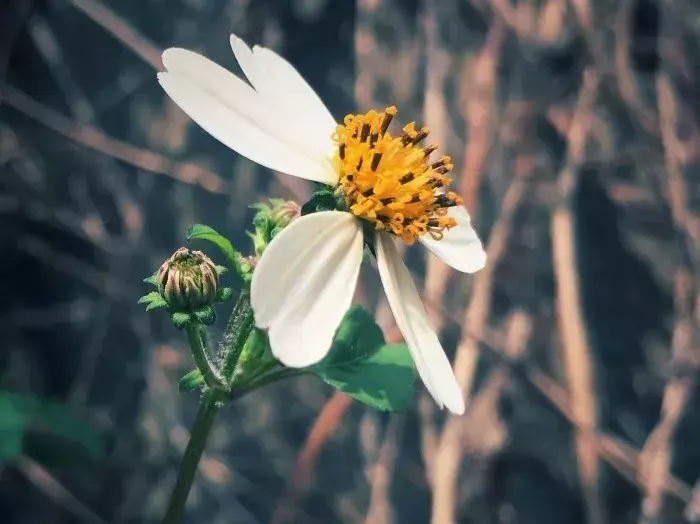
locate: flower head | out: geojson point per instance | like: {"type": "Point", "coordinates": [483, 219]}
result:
{"type": "Point", "coordinates": [188, 280]}
{"type": "Point", "coordinates": [305, 279]}
{"type": "Point", "coordinates": [391, 181]}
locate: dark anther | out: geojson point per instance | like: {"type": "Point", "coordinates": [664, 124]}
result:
{"type": "Point", "coordinates": [406, 139]}
{"type": "Point", "coordinates": [445, 201]}
{"type": "Point", "coordinates": [442, 170]}
{"type": "Point", "coordinates": [433, 223]}
{"type": "Point", "coordinates": [349, 178]}
{"type": "Point", "coordinates": [437, 164]}
{"type": "Point", "coordinates": [414, 199]}
{"type": "Point", "coordinates": [386, 201]}
{"type": "Point", "coordinates": [428, 150]}
{"type": "Point", "coordinates": [406, 178]}
{"type": "Point", "coordinates": [341, 151]}
{"type": "Point", "coordinates": [420, 136]}
{"type": "Point", "coordinates": [388, 117]}
{"type": "Point", "coordinates": [368, 192]}
{"type": "Point", "coordinates": [365, 132]}
{"type": "Point", "coordinates": [373, 139]}
{"type": "Point", "coordinates": [375, 161]}
{"type": "Point", "coordinates": [359, 164]}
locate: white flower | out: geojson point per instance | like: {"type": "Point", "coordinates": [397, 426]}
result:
{"type": "Point", "coordinates": [305, 280]}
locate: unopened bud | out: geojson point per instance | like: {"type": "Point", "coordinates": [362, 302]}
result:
{"type": "Point", "coordinates": [188, 280]}
{"type": "Point", "coordinates": [271, 219]}
{"type": "Point", "coordinates": [284, 212]}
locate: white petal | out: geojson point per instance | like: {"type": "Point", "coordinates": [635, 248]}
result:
{"type": "Point", "coordinates": [431, 362]}
{"type": "Point", "coordinates": [460, 247]}
{"type": "Point", "coordinates": [304, 284]}
{"type": "Point", "coordinates": [238, 133]}
{"type": "Point", "coordinates": [285, 89]}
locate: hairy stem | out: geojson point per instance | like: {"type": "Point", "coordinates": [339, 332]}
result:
{"type": "Point", "coordinates": [206, 416]}
{"type": "Point", "coordinates": [238, 329]}
{"type": "Point", "coordinates": [196, 337]}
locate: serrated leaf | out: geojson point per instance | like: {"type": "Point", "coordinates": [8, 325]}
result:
{"type": "Point", "coordinates": [191, 381]}
{"type": "Point", "coordinates": [202, 232]}
{"type": "Point", "coordinates": [357, 338]}
{"type": "Point", "coordinates": [180, 319]}
{"type": "Point", "coordinates": [155, 304]}
{"type": "Point", "coordinates": [384, 381]}
{"type": "Point", "coordinates": [13, 421]}
{"type": "Point", "coordinates": [150, 297]}
{"type": "Point", "coordinates": [153, 279]}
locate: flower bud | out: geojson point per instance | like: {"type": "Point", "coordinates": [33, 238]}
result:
{"type": "Point", "coordinates": [283, 213]}
{"type": "Point", "coordinates": [188, 280]}
{"type": "Point", "coordinates": [271, 219]}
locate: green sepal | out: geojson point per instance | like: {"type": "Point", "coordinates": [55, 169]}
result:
{"type": "Point", "coordinates": [191, 381]}
{"type": "Point", "coordinates": [322, 200]}
{"type": "Point", "coordinates": [153, 279]}
{"type": "Point", "coordinates": [224, 294]}
{"type": "Point", "coordinates": [205, 315]}
{"type": "Point", "coordinates": [150, 297]}
{"type": "Point", "coordinates": [179, 319]}
{"type": "Point", "coordinates": [384, 381]}
{"type": "Point", "coordinates": [156, 304]}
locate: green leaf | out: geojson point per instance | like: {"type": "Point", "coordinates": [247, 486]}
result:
{"type": "Point", "coordinates": [61, 421]}
{"type": "Point", "coordinates": [191, 381]}
{"type": "Point", "coordinates": [150, 297]}
{"type": "Point", "coordinates": [384, 381]}
{"type": "Point", "coordinates": [26, 420]}
{"type": "Point", "coordinates": [357, 338]}
{"type": "Point", "coordinates": [153, 279]}
{"type": "Point", "coordinates": [202, 232]}
{"type": "Point", "coordinates": [180, 319]}
{"type": "Point", "coordinates": [13, 421]}
{"type": "Point", "coordinates": [322, 200]}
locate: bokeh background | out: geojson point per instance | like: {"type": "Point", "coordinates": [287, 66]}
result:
{"type": "Point", "coordinates": [575, 129]}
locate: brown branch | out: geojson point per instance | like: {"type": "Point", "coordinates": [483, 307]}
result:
{"type": "Point", "coordinates": [576, 351]}
{"type": "Point", "coordinates": [91, 137]}
{"type": "Point", "coordinates": [327, 421]}
{"type": "Point", "coordinates": [121, 30]}
{"type": "Point", "coordinates": [54, 490]}
{"type": "Point", "coordinates": [476, 317]}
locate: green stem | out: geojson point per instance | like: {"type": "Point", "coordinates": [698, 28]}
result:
{"type": "Point", "coordinates": [201, 358]}
{"type": "Point", "coordinates": [274, 376]}
{"type": "Point", "coordinates": [206, 415]}
{"type": "Point", "coordinates": [237, 331]}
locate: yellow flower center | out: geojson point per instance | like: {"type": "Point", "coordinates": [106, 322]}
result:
{"type": "Point", "coordinates": [391, 182]}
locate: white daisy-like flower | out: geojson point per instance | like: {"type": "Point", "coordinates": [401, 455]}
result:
{"type": "Point", "coordinates": [305, 280]}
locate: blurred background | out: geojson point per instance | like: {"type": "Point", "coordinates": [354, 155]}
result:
{"type": "Point", "coordinates": [575, 129]}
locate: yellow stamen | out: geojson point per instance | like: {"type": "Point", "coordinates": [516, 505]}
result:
{"type": "Point", "coordinates": [390, 181]}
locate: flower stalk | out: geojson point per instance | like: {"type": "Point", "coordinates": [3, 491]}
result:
{"type": "Point", "coordinates": [196, 339]}
{"type": "Point", "coordinates": [208, 409]}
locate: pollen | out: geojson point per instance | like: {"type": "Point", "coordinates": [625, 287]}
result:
{"type": "Point", "coordinates": [391, 181]}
